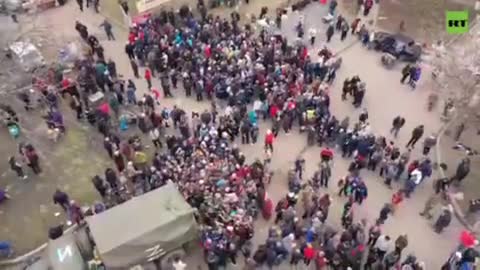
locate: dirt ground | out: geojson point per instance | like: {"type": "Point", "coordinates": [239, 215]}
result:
{"type": "Point", "coordinates": [424, 19]}
{"type": "Point", "coordinates": [64, 165]}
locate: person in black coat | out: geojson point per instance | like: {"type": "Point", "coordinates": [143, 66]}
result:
{"type": "Point", "coordinates": [61, 198]}
{"type": "Point", "coordinates": [99, 185]}
{"type": "Point", "coordinates": [417, 133]}
{"type": "Point", "coordinates": [82, 30]}
{"type": "Point", "coordinates": [330, 32]}
{"type": "Point", "coordinates": [463, 169]}
{"type": "Point", "coordinates": [111, 178]}
{"type": "Point", "coordinates": [443, 220]}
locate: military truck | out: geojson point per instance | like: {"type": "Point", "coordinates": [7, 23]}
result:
{"type": "Point", "coordinates": [147, 231]}
{"type": "Point", "coordinates": [153, 227]}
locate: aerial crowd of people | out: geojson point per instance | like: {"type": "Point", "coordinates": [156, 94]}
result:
{"type": "Point", "coordinates": [250, 79]}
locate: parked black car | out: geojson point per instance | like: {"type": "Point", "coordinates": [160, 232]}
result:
{"type": "Point", "coordinates": [402, 47]}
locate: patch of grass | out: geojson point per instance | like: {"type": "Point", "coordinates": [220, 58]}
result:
{"type": "Point", "coordinates": [68, 165]}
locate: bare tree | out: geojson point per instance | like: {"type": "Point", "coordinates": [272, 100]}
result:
{"type": "Point", "coordinates": [457, 73]}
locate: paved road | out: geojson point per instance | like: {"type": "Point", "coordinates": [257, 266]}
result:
{"type": "Point", "coordinates": [385, 98]}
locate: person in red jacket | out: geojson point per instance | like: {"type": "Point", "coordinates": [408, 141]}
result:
{"type": "Point", "coordinates": [326, 154]}
{"type": "Point", "coordinates": [308, 254]}
{"type": "Point", "coordinates": [148, 78]}
{"type": "Point", "coordinates": [208, 51]}
{"type": "Point", "coordinates": [397, 198]}
{"type": "Point", "coordinates": [274, 111]}
{"type": "Point", "coordinates": [267, 207]}
{"type": "Point", "coordinates": [320, 261]}
{"type": "Point", "coordinates": [269, 138]}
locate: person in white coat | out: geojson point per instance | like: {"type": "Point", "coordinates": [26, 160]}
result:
{"type": "Point", "coordinates": [382, 245]}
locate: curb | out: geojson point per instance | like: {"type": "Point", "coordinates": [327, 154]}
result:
{"type": "Point", "coordinates": [453, 200]}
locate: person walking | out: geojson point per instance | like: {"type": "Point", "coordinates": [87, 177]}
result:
{"type": "Point", "coordinates": [382, 245]}
{"type": "Point", "coordinates": [325, 173]}
{"type": "Point", "coordinates": [33, 159]}
{"type": "Point", "coordinates": [390, 173]}
{"type": "Point", "coordinates": [405, 73]}
{"type": "Point", "coordinates": [269, 138]}
{"type": "Point", "coordinates": [331, 8]}
{"type": "Point", "coordinates": [148, 78]}
{"type": "Point", "coordinates": [431, 202]}
{"type": "Point", "coordinates": [354, 25]}
{"type": "Point", "coordinates": [397, 124]}
{"type": "Point", "coordinates": [107, 26]}
{"type": "Point", "coordinates": [155, 136]}
{"type": "Point", "coordinates": [428, 143]}
{"type": "Point", "coordinates": [344, 30]}
{"type": "Point", "coordinates": [245, 131]}
{"type": "Point", "coordinates": [401, 242]}
{"type": "Point", "coordinates": [417, 133]}
{"type": "Point", "coordinates": [415, 74]}
{"type": "Point", "coordinates": [367, 6]}
{"type": "Point", "coordinates": [76, 105]}
{"type": "Point", "coordinates": [312, 32]}
{"type": "Point", "coordinates": [463, 169]}
{"type": "Point", "coordinates": [112, 68]}
{"type": "Point", "coordinates": [134, 66]}
{"type": "Point", "coordinates": [131, 96]}
{"type": "Point", "coordinates": [459, 131]}
{"type": "Point", "coordinates": [254, 133]}
{"type": "Point", "coordinates": [330, 32]}
{"type": "Point", "coordinates": [82, 30]}
{"type": "Point", "coordinates": [61, 198]}
{"type": "Point", "coordinates": [309, 253]}
{"type": "Point", "coordinates": [384, 212]}
{"type": "Point", "coordinates": [80, 4]}
{"type": "Point", "coordinates": [363, 117]}
{"type": "Point", "coordinates": [112, 179]}
{"type": "Point", "coordinates": [444, 219]}
{"type": "Point", "coordinates": [100, 185]}
{"type": "Point", "coordinates": [108, 146]}
{"type": "Point", "coordinates": [165, 85]}
{"type": "Point", "coordinates": [130, 50]}
{"type": "Point", "coordinates": [412, 182]}
{"type": "Point", "coordinates": [16, 167]}
{"type": "Point", "coordinates": [96, 5]}
{"type": "Point", "coordinates": [174, 78]}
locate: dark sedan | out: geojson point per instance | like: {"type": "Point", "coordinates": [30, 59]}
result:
{"type": "Point", "coordinates": [402, 47]}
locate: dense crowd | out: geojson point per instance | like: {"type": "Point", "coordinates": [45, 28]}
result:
{"type": "Point", "coordinates": [256, 77]}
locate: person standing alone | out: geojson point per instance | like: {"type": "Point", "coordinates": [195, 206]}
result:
{"type": "Point", "coordinates": [107, 26]}
{"type": "Point", "coordinates": [397, 124]}
{"type": "Point", "coordinates": [330, 32]}
{"type": "Point", "coordinates": [80, 4]}
{"type": "Point", "coordinates": [417, 133]}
